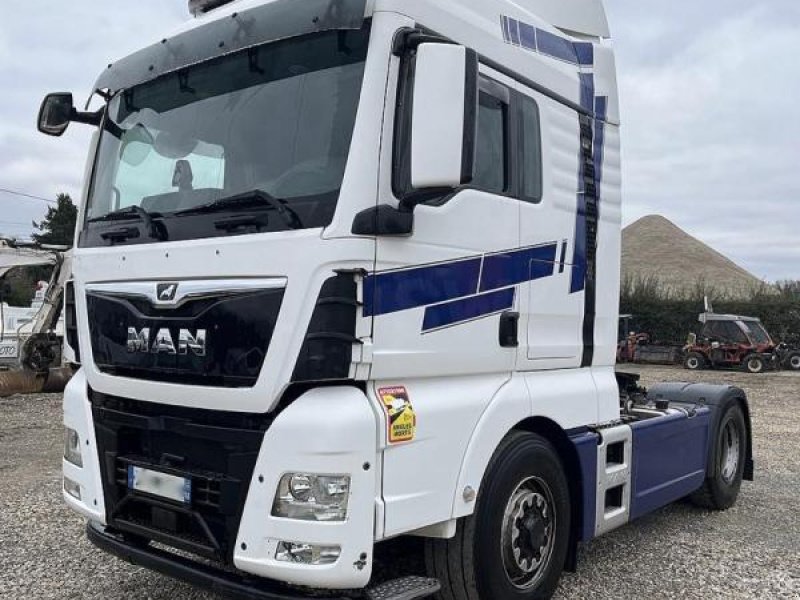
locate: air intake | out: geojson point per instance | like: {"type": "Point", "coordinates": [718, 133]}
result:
{"type": "Point", "coordinates": [199, 7]}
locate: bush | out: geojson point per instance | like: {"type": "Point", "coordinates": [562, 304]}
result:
{"type": "Point", "coordinates": [669, 315]}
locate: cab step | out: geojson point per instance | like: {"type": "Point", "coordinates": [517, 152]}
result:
{"type": "Point", "coordinates": [405, 588]}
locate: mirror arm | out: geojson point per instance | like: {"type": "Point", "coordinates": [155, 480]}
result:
{"type": "Point", "coordinates": [409, 202]}
{"type": "Point", "coordinates": [410, 39]}
{"type": "Point", "coordinates": [87, 118]}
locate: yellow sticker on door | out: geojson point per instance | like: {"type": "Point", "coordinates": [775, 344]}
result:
{"type": "Point", "coordinates": [401, 421]}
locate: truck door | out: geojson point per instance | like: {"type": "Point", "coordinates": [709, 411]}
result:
{"type": "Point", "coordinates": [438, 296]}
{"type": "Point", "coordinates": [437, 303]}
{"type": "Point", "coordinates": [551, 305]}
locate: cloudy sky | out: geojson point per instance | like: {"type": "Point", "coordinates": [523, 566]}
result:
{"type": "Point", "coordinates": [709, 93]}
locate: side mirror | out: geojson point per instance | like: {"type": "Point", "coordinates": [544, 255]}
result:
{"type": "Point", "coordinates": [444, 121]}
{"type": "Point", "coordinates": [55, 114]}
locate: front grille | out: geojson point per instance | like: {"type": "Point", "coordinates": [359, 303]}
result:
{"type": "Point", "coordinates": [216, 450]}
{"type": "Point", "coordinates": [218, 340]}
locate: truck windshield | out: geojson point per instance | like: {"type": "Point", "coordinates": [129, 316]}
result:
{"type": "Point", "coordinates": [278, 119]}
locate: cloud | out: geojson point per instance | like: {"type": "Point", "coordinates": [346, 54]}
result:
{"type": "Point", "coordinates": [45, 47]}
{"type": "Point", "coordinates": [708, 96]}
{"type": "Point", "coordinates": [707, 133]}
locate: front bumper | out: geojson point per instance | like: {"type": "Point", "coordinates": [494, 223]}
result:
{"type": "Point", "coordinates": [224, 583]}
{"type": "Point", "coordinates": [307, 436]}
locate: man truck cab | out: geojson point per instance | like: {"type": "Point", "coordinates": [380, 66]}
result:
{"type": "Point", "coordinates": [347, 271]}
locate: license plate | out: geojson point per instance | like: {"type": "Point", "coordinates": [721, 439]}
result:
{"type": "Point", "coordinates": [9, 349]}
{"type": "Point", "coordinates": [159, 484]}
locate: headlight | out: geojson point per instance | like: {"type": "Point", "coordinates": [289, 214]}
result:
{"type": "Point", "coordinates": [312, 497]}
{"type": "Point", "coordinates": [72, 447]}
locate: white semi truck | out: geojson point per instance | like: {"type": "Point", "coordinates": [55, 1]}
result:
{"type": "Point", "coordinates": [347, 272]}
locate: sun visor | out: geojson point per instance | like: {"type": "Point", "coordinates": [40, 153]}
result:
{"type": "Point", "coordinates": [270, 22]}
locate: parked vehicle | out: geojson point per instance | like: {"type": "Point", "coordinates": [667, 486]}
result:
{"type": "Point", "coordinates": [341, 279]}
{"type": "Point", "coordinates": [638, 347]}
{"type": "Point", "coordinates": [733, 341]}
{"type": "Point", "coordinates": [31, 338]}
{"type": "Point", "coordinates": [788, 356]}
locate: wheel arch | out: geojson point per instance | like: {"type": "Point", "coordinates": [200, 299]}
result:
{"type": "Point", "coordinates": [718, 398]}
{"type": "Point", "coordinates": [477, 463]}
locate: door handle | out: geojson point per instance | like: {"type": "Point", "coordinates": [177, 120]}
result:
{"type": "Point", "coordinates": [509, 330]}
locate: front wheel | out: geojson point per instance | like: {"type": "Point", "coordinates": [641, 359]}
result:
{"type": "Point", "coordinates": [515, 545]}
{"type": "Point", "coordinates": [694, 361]}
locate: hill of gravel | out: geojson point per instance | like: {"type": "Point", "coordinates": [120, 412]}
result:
{"type": "Point", "coordinates": [655, 248]}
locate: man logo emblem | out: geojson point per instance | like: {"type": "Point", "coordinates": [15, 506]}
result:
{"type": "Point", "coordinates": [166, 291]}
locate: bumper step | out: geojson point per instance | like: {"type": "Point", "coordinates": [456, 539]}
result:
{"type": "Point", "coordinates": [405, 588]}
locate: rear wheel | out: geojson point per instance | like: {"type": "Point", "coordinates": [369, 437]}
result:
{"type": "Point", "coordinates": [515, 545]}
{"type": "Point", "coordinates": [720, 490]}
{"type": "Point", "coordinates": [753, 364]}
{"type": "Point", "coordinates": [694, 361]}
{"type": "Point", "coordinates": [793, 361]}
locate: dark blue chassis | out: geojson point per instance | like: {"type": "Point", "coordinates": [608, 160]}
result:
{"type": "Point", "coordinates": [672, 455]}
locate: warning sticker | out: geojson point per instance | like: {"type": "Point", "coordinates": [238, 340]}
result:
{"type": "Point", "coordinates": [400, 418]}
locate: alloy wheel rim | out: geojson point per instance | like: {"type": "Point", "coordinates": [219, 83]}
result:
{"type": "Point", "coordinates": [730, 452]}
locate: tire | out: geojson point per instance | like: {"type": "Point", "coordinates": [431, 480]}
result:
{"type": "Point", "coordinates": [793, 361]}
{"type": "Point", "coordinates": [480, 562]}
{"type": "Point", "coordinates": [694, 361]}
{"type": "Point", "coordinates": [720, 491]}
{"type": "Point", "coordinates": [754, 364]}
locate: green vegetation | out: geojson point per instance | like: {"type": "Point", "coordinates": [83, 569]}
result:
{"type": "Point", "coordinates": [669, 315]}
{"type": "Point", "coordinates": [18, 287]}
{"type": "Point", "coordinates": [58, 227]}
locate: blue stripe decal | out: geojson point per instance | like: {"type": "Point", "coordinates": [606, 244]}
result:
{"type": "Point", "coordinates": [503, 270]}
{"type": "Point", "coordinates": [513, 30]}
{"type": "Point", "coordinates": [524, 35]}
{"type": "Point", "coordinates": [402, 290]}
{"type": "Point", "coordinates": [506, 31]}
{"type": "Point", "coordinates": [464, 279]}
{"type": "Point", "coordinates": [527, 36]}
{"type": "Point", "coordinates": [579, 266]}
{"type": "Point", "coordinates": [601, 110]}
{"type": "Point", "coordinates": [468, 309]}
{"type": "Point", "coordinates": [587, 91]}
{"type": "Point", "coordinates": [585, 53]}
{"type": "Point", "coordinates": [556, 46]}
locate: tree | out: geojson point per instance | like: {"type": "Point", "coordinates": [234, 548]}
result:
{"type": "Point", "coordinates": [58, 227]}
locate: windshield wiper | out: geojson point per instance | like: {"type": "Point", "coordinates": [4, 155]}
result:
{"type": "Point", "coordinates": [130, 213]}
{"type": "Point", "coordinates": [248, 200]}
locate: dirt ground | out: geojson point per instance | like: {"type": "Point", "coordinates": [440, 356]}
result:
{"type": "Point", "coordinates": [750, 551]}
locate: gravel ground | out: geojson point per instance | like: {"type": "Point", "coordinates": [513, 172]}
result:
{"type": "Point", "coordinates": [750, 551]}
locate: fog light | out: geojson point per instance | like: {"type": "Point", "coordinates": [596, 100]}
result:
{"type": "Point", "coordinates": [307, 554]}
{"type": "Point", "coordinates": [312, 497]}
{"type": "Point", "coordinates": [72, 447]}
{"type": "Point", "coordinates": [72, 488]}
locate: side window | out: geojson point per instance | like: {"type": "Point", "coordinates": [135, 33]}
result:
{"type": "Point", "coordinates": [491, 155]}
{"type": "Point", "coordinates": [530, 151]}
